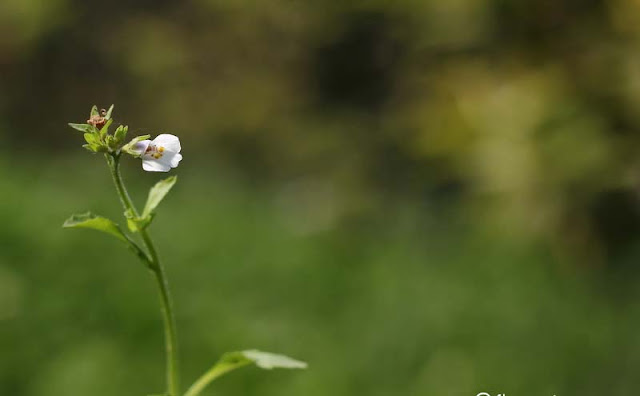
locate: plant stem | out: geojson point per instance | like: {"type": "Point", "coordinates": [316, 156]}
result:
{"type": "Point", "coordinates": [153, 261]}
{"type": "Point", "coordinates": [171, 342]}
{"type": "Point", "coordinates": [213, 373]}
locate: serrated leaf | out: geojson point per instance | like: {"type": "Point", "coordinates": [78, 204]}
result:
{"type": "Point", "coordinates": [108, 115]}
{"type": "Point", "coordinates": [89, 220]}
{"type": "Point", "coordinates": [157, 194]}
{"type": "Point", "coordinates": [235, 360]}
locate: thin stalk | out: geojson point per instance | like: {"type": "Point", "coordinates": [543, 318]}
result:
{"type": "Point", "coordinates": [213, 373]}
{"type": "Point", "coordinates": [153, 261]}
{"type": "Point", "coordinates": [171, 341]}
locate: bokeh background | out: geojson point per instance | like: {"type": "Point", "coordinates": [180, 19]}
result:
{"type": "Point", "coordinates": [418, 197]}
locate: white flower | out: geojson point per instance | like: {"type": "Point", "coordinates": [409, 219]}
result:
{"type": "Point", "coordinates": [160, 154]}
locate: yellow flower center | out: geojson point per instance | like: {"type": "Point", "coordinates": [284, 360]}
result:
{"type": "Point", "coordinates": [154, 151]}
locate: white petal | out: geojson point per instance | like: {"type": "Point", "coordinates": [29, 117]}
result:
{"type": "Point", "coordinates": [140, 147]}
{"type": "Point", "coordinates": [169, 142]}
{"type": "Point", "coordinates": [153, 165]}
{"type": "Point", "coordinates": [175, 160]}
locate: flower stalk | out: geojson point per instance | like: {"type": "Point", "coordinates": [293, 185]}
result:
{"type": "Point", "coordinates": [153, 263]}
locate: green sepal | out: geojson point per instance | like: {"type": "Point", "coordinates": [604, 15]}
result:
{"type": "Point", "coordinates": [120, 134]}
{"type": "Point", "coordinates": [94, 111]}
{"type": "Point", "coordinates": [157, 194]}
{"type": "Point", "coordinates": [95, 148]}
{"type": "Point", "coordinates": [105, 129]}
{"type": "Point", "coordinates": [95, 144]}
{"type": "Point", "coordinates": [88, 128]}
{"type": "Point", "coordinates": [89, 220]}
{"type": "Point", "coordinates": [111, 142]}
{"type": "Point", "coordinates": [80, 127]}
{"type": "Point", "coordinates": [128, 148]}
{"type": "Point", "coordinates": [108, 115]}
{"type": "Point", "coordinates": [90, 138]}
{"type": "Point", "coordinates": [83, 127]}
{"type": "Point", "coordinates": [235, 360]}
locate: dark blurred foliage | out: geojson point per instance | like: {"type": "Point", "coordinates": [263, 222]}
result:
{"type": "Point", "coordinates": [529, 102]}
{"type": "Point", "coordinates": [406, 141]}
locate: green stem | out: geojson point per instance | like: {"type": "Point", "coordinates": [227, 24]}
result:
{"type": "Point", "coordinates": [171, 342]}
{"type": "Point", "coordinates": [213, 373]}
{"type": "Point", "coordinates": [153, 261]}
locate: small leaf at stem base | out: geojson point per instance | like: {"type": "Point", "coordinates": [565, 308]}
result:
{"type": "Point", "coordinates": [234, 360]}
{"type": "Point", "coordinates": [268, 361]}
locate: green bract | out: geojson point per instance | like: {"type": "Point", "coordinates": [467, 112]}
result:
{"type": "Point", "coordinates": [108, 114]}
{"type": "Point", "coordinates": [82, 127]}
{"type": "Point", "coordinates": [120, 134]}
{"type": "Point", "coordinates": [96, 132]}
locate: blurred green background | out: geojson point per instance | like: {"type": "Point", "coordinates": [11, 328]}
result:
{"type": "Point", "coordinates": [419, 197]}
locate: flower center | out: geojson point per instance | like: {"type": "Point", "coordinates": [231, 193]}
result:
{"type": "Point", "coordinates": [154, 151]}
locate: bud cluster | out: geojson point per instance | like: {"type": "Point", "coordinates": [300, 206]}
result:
{"type": "Point", "coordinates": [96, 132]}
{"type": "Point", "coordinates": [158, 155]}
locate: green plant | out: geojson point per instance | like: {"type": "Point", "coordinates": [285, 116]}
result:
{"type": "Point", "coordinates": [158, 155]}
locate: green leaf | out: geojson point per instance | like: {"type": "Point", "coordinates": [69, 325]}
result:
{"type": "Point", "coordinates": [81, 127]}
{"type": "Point", "coordinates": [87, 128]}
{"type": "Point", "coordinates": [111, 142]}
{"type": "Point", "coordinates": [234, 360]}
{"type": "Point", "coordinates": [95, 148]}
{"type": "Point", "coordinates": [89, 220]}
{"type": "Point", "coordinates": [108, 115]}
{"type": "Point", "coordinates": [94, 111]}
{"type": "Point", "coordinates": [105, 128]}
{"type": "Point", "coordinates": [157, 194]}
{"type": "Point", "coordinates": [91, 138]}
{"type": "Point", "coordinates": [268, 361]}
{"type": "Point", "coordinates": [120, 134]}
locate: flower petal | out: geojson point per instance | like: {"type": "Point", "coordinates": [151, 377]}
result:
{"type": "Point", "coordinates": [169, 142]}
{"type": "Point", "coordinates": [175, 160]}
{"type": "Point", "coordinates": [153, 165]}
